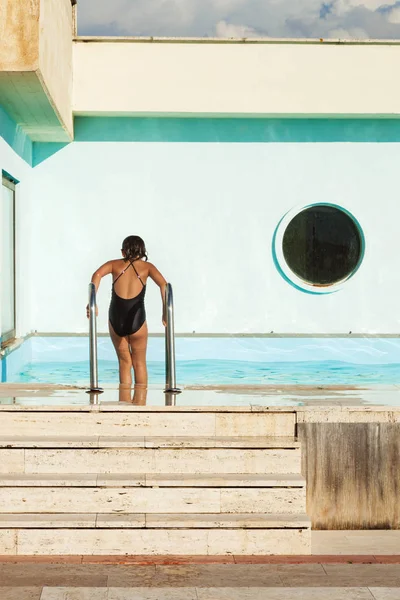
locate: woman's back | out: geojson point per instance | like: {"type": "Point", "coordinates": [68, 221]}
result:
{"type": "Point", "coordinates": [129, 277]}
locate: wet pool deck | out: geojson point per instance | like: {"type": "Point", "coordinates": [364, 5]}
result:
{"type": "Point", "coordinates": [240, 398]}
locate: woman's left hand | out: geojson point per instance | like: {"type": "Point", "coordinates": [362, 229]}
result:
{"type": "Point", "coordinates": [88, 311]}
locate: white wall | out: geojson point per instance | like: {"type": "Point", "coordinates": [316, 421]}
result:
{"type": "Point", "coordinates": [235, 79]}
{"type": "Point", "coordinates": [208, 212]}
{"type": "Point", "coordinates": [25, 270]}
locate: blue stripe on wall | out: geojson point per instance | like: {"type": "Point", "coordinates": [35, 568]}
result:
{"type": "Point", "coordinates": [126, 129]}
{"type": "Point", "coordinates": [3, 370]}
{"type": "Point", "coordinates": [15, 137]}
{"type": "Point", "coordinates": [238, 130]}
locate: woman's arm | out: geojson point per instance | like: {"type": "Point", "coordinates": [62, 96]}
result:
{"type": "Point", "coordinates": [97, 276]}
{"type": "Point", "coordinates": [159, 280]}
{"type": "Point", "coordinates": [101, 272]}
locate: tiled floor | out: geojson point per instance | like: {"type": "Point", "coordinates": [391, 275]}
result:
{"type": "Point", "coordinates": [209, 593]}
{"type": "Point", "coordinates": [199, 582]}
{"type": "Point", "coordinates": [344, 568]}
{"type": "Point", "coordinates": [349, 565]}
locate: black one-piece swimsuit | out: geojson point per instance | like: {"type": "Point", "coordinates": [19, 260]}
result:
{"type": "Point", "coordinates": [127, 315]}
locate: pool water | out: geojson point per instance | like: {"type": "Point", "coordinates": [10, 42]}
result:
{"type": "Point", "coordinates": [215, 372]}
{"type": "Point", "coordinates": [217, 361]}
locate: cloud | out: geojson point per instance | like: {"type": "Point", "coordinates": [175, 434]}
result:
{"type": "Point", "coordinates": [352, 19]}
{"type": "Point", "coordinates": [394, 16]}
{"type": "Point", "coordinates": [228, 30]}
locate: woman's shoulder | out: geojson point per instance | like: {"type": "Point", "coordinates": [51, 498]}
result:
{"type": "Point", "coordinates": [116, 263]}
{"type": "Point", "coordinates": [148, 266]}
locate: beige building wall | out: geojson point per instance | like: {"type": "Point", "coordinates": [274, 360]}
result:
{"type": "Point", "coordinates": [19, 35]}
{"type": "Point", "coordinates": [55, 56]}
{"type": "Point", "coordinates": [271, 79]}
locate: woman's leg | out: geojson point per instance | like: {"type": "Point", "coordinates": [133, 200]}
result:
{"type": "Point", "coordinates": [138, 344]}
{"type": "Point", "coordinates": [122, 349]}
{"type": "Point", "coordinates": [140, 395]}
{"type": "Point", "coordinates": [125, 392]}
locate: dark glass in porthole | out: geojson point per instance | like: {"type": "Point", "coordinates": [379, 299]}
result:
{"type": "Point", "coordinates": [322, 245]}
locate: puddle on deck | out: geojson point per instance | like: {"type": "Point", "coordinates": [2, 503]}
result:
{"type": "Point", "coordinates": [209, 397]}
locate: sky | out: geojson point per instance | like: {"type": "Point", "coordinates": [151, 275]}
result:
{"type": "Point", "coordinates": [345, 19]}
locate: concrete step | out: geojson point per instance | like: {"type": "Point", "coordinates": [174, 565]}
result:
{"type": "Point", "coordinates": [122, 441]}
{"type": "Point", "coordinates": [240, 520]}
{"type": "Point", "coordinates": [147, 423]}
{"type": "Point", "coordinates": [152, 521]}
{"type": "Point", "coordinates": [168, 480]}
{"type": "Point", "coordinates": [152, 500]}
{"type": "Point", "coordinates": [117, 480]}
{"type": "Point", "coordinates": [151, 460]}
{"type": "Point", "coordinates": [213, 541]}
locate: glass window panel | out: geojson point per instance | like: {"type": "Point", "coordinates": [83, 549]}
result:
{"type": "Point", "coordinates": [7, 264]}
{"type": "Point", "coordinates": [322, 245]}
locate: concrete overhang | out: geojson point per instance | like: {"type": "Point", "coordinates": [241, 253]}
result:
{"type": "Point", "coordinates": [236, 78]}
{"type": "Point", "coordinates": [36, 67]}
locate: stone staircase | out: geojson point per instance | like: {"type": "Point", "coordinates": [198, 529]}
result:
{"type": "Point", "coordinates": [119, 479]}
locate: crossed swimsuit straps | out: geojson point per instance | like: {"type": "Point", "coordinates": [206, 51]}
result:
{"type": "Point", "coordinates": [127, 315]}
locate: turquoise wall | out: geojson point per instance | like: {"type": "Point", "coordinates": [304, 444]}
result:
{"type": "Point", "coordinates": [148, 129]}
{"type": "Point", "coordinates": [131, 129]}
{"type": "Point", "coordinates": [125, 129]}
{"type": "Point", "coordinates": [15, 137]}
{"type": "Point", "coordinates": [208, 212]}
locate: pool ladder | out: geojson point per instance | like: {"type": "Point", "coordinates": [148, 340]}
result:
{"type": "Point", "coordinates": [170, 365]}
{"type": "Point", "coordinates": [94, 370]}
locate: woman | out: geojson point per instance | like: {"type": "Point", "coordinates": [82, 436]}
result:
{"type": "Point", "coordinates": [127, 315]}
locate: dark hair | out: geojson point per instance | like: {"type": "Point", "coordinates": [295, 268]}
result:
{"type": "Point", "coordinates": [134, 248]}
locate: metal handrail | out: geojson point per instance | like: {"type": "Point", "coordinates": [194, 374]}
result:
{"type": "Point", "coordinates": [170, 365]}
{"type": "Point", "coordinates": [94, 377]}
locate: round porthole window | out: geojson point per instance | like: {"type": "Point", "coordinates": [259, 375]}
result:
{"type": "Point", "coordinates": [318, 247]}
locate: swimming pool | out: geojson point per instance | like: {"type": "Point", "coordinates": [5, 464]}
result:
{"type": "Point", "coordinates": [216, 361]}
